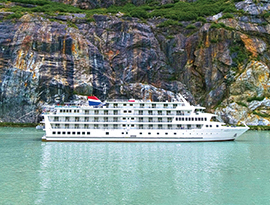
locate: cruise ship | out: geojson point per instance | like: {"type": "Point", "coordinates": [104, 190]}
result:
{"type": "Point", "coordinates": [135, 121]}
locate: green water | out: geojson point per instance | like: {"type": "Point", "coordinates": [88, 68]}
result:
{"type": "Point", "coordinates": [35, 172]}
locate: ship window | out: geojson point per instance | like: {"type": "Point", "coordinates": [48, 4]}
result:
{"type": "Point", "coordinates": [115, 112]}
{"type": "Point", "coordinates": [192, 118]}
{"type": "Point", "coordinates": [125, 104]}
{"type": "Point", "coordinates": [157, 133]}
{"type": "Point", "coordinates": [140, 133]}
{"type": "Point", "coordinates": [159, 112]}
{"type": "Point", "coordinates": [129, 111]}
{"type": "Point", "coordinates": [63, 133]}
{"type": "Point", "coordinates": [174, 105]}
{"type": "Point", "coordinates": [61, 110]}
{"type": "Point", "coordinates": [141, 105]}
{"type": "Point", "coordinates": [166, 133]}
{"type": "Point", "coordinates": [205, 119]}
{"type": "Point", "coordinates": [153, 105]}
{"type": "Point", "coordinates": [165, 105]}
{"type": "Point", "coordinates": [88, 133]}
{"type": "Point", "coordinates": [132, 125]}
{"type": "Point", "coordinates": [73, 133]}
{"type": "Point", "coordinates": [115, 105]}
{"type": "Point", "coordinates": [124, 118]}
{"type": "Point", "coordinates": [123, 133]}
{"type": "Point", "coordinates": [78, 133]}
{"type": "Point", "coordinates": [217, 125]}
{"type": "Point", "coordinates": [175, 133]}
{"type": "Point", "coordinates": [150, 112]}
{"type": "Point", "coordinates": [168, 112]}
{"type": "Point", "coordinates": [206, 125]}
{"type": "Point", "coordinates": [107, 133]}
{"type": "Point", "coordinates": [124, 125]}
{"type": "Point", "coordinates": [210, 125]}
{"type": "Point", "coordinates": [176, 118]}
{"type": "Point", "coordinates": [149, 133]}
{"type": "Point", "coordinates": [58, 133]}
{"type": "Point", "coordinates": [125, 111]}
{"type": "Point", "coordinates": [83, 133]}
{"type": "Point", "coordinates": [54, 133]}
{"type": "Point", "coordinates": [68, 133]}
{"type": "Point", "coordinates": [132, 118]}
{"type": "Point", "coordinates": [131, 104]}
{"type": "Point", "coordinates": [86, 111]}
{"type": "Point", "coordinates": [140, 112]}
{"type": "Point", "coordinates": [196, 119]}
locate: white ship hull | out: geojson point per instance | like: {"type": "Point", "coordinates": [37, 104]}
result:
{"type": "Point", "coordinates": [225, 134]}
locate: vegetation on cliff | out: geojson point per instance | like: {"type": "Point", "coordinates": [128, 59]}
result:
{"type": "Point", "coordinates": [181, 11]}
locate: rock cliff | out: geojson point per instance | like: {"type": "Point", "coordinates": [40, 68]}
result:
{"type": "Point", "coordinates": [222, 64]}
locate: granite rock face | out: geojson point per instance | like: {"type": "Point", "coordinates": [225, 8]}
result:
{"type": "Point", "coordinates": [48, 61]}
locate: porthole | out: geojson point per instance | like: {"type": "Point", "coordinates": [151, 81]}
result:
{"type": "Point", "coordinates": [149, 133]}
{"type": "Point", "coordinates": [78, 133]}
{"type": "Point", "coordinates": [54, 133]}
{"type": "Point", "coordinates": [88, 133]}
{"type": "Point", "coordinates": [83, 133]}
{"type": "Point", "coordinates": [58, 133]}
{"type": "Point", "coordinates": [140, 133]}
{"type": "Point", "coordinates": [166, 133]}
{"type": "Point", "coordinates": [107, 133]}
{"type": "Point", "coordinates": [68, 133]}
{"type": "Point", "coordinates": [73, 133]}
{"type": "Point", "coordinates": [63, 133]}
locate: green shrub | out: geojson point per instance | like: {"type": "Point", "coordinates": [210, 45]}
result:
{"type": "Point", "coordinates": [169, 23]}
{"type": "Point", "coordinates": [266, 15]}
{"type": "Point", "coordinates": [255, 98]}
{"type": "Point", "coordinates": [242, 104]}
{"type": "Point", "coordinates": [139, 13]}
{"type": "Point", "coordinates": [202, 19]}
{"type": "Point", "coordinates": [14, 16]}
{"type": "Point", "coordinates": [260, 114]}
{"type": "Point", "coordinates": [227, 16]}
{"type": "Point", "coordinates": [190, 26]}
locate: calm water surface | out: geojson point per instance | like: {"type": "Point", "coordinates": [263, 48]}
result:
{"type": "Point", "coordinates": [35, 172]}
